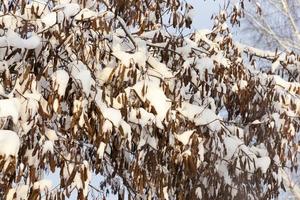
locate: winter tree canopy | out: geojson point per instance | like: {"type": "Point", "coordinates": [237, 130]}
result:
{"type": "Point", "coordinates": [273, 24]}
{"type": "Point", "coordinates": [124, 90]}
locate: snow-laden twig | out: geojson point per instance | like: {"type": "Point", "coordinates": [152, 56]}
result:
{"type": "Point", "coordinates": [290, 184]}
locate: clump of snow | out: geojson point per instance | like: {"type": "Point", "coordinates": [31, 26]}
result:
{"type": "Point", "coordinates": [107, 126]}
{"type": "Point", "coordinates": [55, 105]}
{"type": "Point", "coordinates": [29, 107]}
{"type": "Point", "coordinates": [200, 35]}
{"type": "Point", "coordinates": [155, 96]}
{"type": "Point", "coordinates": [263, 163]}
{"type": "Point", "coordinates": [141, 116]}
{"type": "Point", "coordinates": [60, 81]}
{"type": "Point", "coordinates": [159, 100]}
{"type": "Point", "coordinates": [200, 115]}
{"type": "Point", "coordinates": [22, 192]}
{"type": "Point", "coordinates": [13, 39]}
{"type": "Point", "coordinates": [152, 141]}
{"type": "Point", "coordinates": [199, 192]}
{"type": "Point", "coordinates": [49, 19]}
{"type": "Point", "coordinates": [10, 194]}
{"type": "Point", "coordinates": [203, 64]}
{"type": "Point", "coordinates": [184, 137]}
{"type": "Point", "coordinates": [69, 9]}
{"type": "Point", "coordinates": [31, 159]}
{"type": "Point", "coordinates": [43, 185]}
{"type": "Point", "coordinates": [243, 84]}
{"type": "Point", "coordinates": [9, 21]}
{"type": "Point", "coordinates": [231, 145]}
{"type": "Point", "coordinates": [159, 69]}
{"type": "Point", "coordinates": [101, 149]}
{"type": "Point", "coordinates": [9, 143]}
{"type": "Point", "coordinates": [104, 74]}
{"type": "Point", "coordinates": [219, 58]}
{"type": "Point", "coordinates": [128, 58]}
{"type": "Point", "coordinates": [85, 14]}
{"type": "Point", "coordinates": [48, 147]}
{"type": "Point", "coordinates": [51, 135]}
{"type": "Point", "coordinates": [3, 66]}
{"type": "Point", "coordinates": [83, 76]}
{"type": "Point", "coordinates": [126, 129]}
{"type": "Point", "coordinates": [260, 150]}
{"type": "Point", "coordinates": [256, 122]}
{"type": "Point", "coordinates": [112, 115]}
{"type": "Point", "coordinates": [2, 91]}
{"type": "Point", "coordinates": [165, 190]}
{"type": "Point", "coordinates": [10, 108]}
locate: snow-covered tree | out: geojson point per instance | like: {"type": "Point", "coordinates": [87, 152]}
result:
{"type": "Point", "coordinates": [272, 24]}
{"type": "Point", "coordinates": [114, 88]}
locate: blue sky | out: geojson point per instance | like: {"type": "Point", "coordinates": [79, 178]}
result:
{"type": "Point", "coordinates": [203, 12]}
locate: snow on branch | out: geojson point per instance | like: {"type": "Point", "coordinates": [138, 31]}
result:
{"type": "Point", "coordinates": [96, 89]}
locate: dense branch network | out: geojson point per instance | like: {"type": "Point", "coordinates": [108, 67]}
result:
{"type": "Point", "coordinates": [102, 89]}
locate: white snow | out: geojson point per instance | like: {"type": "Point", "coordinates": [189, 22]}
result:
{"type": "Point", "coordinates": [10, 194]}
{"type": "Point", "coordinates": [104, 74]}
{"type": "Point", "coordinates": [2, 91]}
{"type": "Point", "coordinates": [145, 117]}
{"type": "Point", "coordinates": [199, 193]}
{"type": "Point", "coordinates": [231, 145]}
{"type": "Point", "coordinates": [159, 100]}
{"type": "Point", "coordinates": [22, 192]}
{"type": "Point", "coordinates": [101, 149]}
{"type": "Point", "coordinates": [166, 195]}
{"type": "Point", "coordinates": [29, 107]}
{"type": "Point", "coordinates": [260, 150]}
{"type": "Point", "coordinates": [13, 39]}
{"type": "Point", "coordinates": [184, 137]}
{"type": "Point", "coordinates": [159, 69]}
{"type": "Point", "coordinates": [60, 81]}
{"type": "Point", "coordinates": [129, 58]}
{"type": "Point", "coordinates": [152, 141]}
{"type": "Point", "coordinates": [155, 95]}
{"type": "Point", "coordinates": [201, 35]}
{"type": "Point", "coordinates": [255, 51]}
{"type": "Point", "coordinates": [126, 129]}
{"type": "Point", "coordinates": [9, 21]}
{"type": "Point", "coordinates": [69, 9]}
{"type": "Point", "coordinates": [148, 102]}
{"type": "Point", "coordinates": [85, 14]}
{"type": "Point", "coordinates": [48, 147]}
{"type": "Point", "coordinates": [9, 143]}
{"type": "Point", "coordinates": [107, 126]}
{"type": "Point", "coordinates": [51, 135]}
{"type": "Point", "coordinates": [10, 107]}
{"type": "Point", "coordinates": [32, 159]}
{"type": "Point", "coordinates": [112, 115]}
{"type": "Point", "coordinates": [275, 65]}
{"type": "Point", "coordinates": [200, 115]}
{"type": "Point", "coordinates": [49, 19]}
{"type": "Point", "coordinates": [82, 75]}
{"type": "Point", "coordinates": [55, 105]}
{"type": "Point", "coordinates": [42, 185]}
{"type": "Point", "coordinates": [263, 163]}
{"type": "Point", "coordinates": [243, 84]}
{"type": "Point", "coordinates": [256, 122]}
